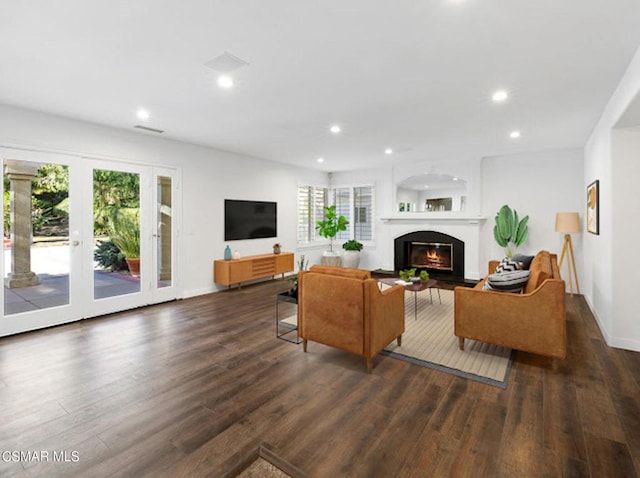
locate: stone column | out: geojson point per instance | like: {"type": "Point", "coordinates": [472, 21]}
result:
{"type": "Point", "coordinates": [21, 173]}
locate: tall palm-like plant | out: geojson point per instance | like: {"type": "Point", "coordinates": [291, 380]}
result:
{"type": "Point", "coordinates": [509, 231]}
{"type": "Point", "coordinates": [123, 227]}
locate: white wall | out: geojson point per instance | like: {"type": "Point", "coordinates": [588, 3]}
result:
{"type": "Point", "coordinates": [600, 281]}
{"type": "Point", "coordinates": [539, 185]}
{"type": "Point", "coordinates": [625, 328]}
{"type": "Point", "coordinates": [208, 177]}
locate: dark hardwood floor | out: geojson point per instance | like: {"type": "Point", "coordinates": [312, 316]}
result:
{"type": "Point", "coordinates": [192, 388]}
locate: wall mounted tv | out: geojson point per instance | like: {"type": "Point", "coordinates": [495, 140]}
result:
{"type": "Point", "coordinates": [249, 219]}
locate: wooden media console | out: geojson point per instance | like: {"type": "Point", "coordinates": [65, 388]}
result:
{"type": "Point", "coordinates": [236, 271]}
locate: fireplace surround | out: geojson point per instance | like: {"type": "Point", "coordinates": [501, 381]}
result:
{"type": "Point", "coordinates": [439, 254]}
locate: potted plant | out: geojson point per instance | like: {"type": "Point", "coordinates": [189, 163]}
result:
{"type": "Point", "coordinates": [329, 228]}
{"type": "Point", "coordinates": [124, 231]}
{"type": "Point", "coordinates": [407, 274]}
{"type": "Point", "coordinates": [509, 231]}
{"type": "Point", "coordinates": [302, 266]}
{"type": "Point", "coordinates": [351, 257]}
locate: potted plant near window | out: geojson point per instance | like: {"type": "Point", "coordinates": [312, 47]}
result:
{"type": "Point", "coordinates": [124, 231]}
{"type": "Point", "coordinates": [351, 257]}
{"type": "Point", "coordinates": [329, 228]}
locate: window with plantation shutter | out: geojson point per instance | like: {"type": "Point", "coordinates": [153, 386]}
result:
{"type": "Point", "coordinates": [342, 201]}
{"type": "Point", "coordinates": [304, 213]}
{"type": "Point", "coordinates": [320, 201]}
{"type": "Point", "coordinates": [363, 213]}
{"type": "Point", "coordinates": [311, 203]}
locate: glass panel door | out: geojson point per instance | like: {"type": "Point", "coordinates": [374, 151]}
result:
{"type": "Point", "coordinates": [165, 284]}
{"type": "Point", "coordinates": [36, 236]}
{"type": "Point", "coordinates": [116, 233]}
{"type": "Point", "coordinates": [164, 234]}
{"type": "Point", "coordinates": [84, 237]}
{"type": "Point", "coordinates": [41, 258]}
{"type": "Point", "coordinates": [116, 238]}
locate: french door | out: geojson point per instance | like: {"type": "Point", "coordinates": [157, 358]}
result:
{"type": "Point", "coordinates": [84, 237]}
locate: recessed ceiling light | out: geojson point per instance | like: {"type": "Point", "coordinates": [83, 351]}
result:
{"type": "Point", "coordinates": [455, 179]}
{"type": "Point", "coordinates": [426, 186]}
{"type": "Point", "coordinates": [388, 151]}
{"type": "Point", "coordinates": [321, 160]}
{"type": "Point", "coordinates": [515, 134]}
{"type": "Point", "coordinates": [335, 129]}
{"type": "Point", "coordinates": [142, 114]}
{"type": "Point", "coordinates": [500, 96]}
{"type": "Point", "coordinates": [225, 81]}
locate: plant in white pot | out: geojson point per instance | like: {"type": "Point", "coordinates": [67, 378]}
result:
{"type": "Point", "coordinates": [329, 228]}
{"type": "Point", "coordinates": [351, 256]}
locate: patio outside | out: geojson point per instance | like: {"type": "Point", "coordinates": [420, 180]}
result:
{"type": "Point", "coordinates": [50, 262]}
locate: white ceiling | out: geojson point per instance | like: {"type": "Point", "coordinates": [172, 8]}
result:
{"type": "Point", "coordinates": [411, 75]}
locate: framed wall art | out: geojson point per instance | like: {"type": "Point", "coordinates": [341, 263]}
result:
{"type": "Point", "coordinates": [593, 207]}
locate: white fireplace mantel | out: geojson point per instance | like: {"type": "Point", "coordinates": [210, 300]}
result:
{"type": "Point", "coordinates": [432, 217]}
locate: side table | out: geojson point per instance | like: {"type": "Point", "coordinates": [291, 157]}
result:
{"type": "Point", "coordinates": [282, 329]}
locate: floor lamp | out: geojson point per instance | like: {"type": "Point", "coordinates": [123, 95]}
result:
{"type": "Point", "coordinates": [568, 222]}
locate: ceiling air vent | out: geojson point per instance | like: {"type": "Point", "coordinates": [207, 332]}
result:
{"type": "Point", "coordinates": [146, 128]}
{"type": "Point", "coordinates": [226, 63]}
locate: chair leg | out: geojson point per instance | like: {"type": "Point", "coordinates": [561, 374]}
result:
{"type": "Point", "coordinates": [304, 345]}
{"type": "Point", "coordinates": [399, 339]}
{"type": "Point", "coordinates": [461, 343]}
{"type": "Point", "coordinates": [369, 365]}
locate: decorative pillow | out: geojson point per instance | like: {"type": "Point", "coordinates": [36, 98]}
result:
{"type": "Point", "coordinates": [507, 265]}
{"type": "Point", "coordinates": [525, 261]}
{"type": "Point", "coordinates": [507, 281]}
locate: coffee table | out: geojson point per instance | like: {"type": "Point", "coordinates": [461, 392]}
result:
{"type": "Point", "coordinates": [416, 287]}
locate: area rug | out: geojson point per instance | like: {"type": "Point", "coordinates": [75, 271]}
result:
{"type": "Point", "coordinates": [429, 341]}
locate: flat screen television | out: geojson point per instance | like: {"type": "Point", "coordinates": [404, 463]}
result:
{"type": "Point", "coordinates": [249, 219]}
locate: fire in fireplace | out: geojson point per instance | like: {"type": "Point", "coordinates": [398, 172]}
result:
{"type": "Point", "coordinates": [431, 255]}
{"type": "Point", "coordinates": [446, 254]}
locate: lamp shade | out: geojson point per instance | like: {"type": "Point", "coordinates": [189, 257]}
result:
{"type": "Point", "coordinates": [567, 222]}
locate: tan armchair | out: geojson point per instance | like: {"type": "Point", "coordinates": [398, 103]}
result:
{"type": "Point", "coordinates": [344, 308]}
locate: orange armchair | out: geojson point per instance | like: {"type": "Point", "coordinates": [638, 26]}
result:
{"type": "Point", "coordinates": [345, 308]}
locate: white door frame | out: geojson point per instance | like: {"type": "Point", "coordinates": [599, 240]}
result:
{"type": "Point", "coordinates": [81, 279]}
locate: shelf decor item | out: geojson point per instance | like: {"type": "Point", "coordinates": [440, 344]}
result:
{"type": "Point", "coordinates": [227, 253]}
{"type": "Point", "coordinates": [277, 247]}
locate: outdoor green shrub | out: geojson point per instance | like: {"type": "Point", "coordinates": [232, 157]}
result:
{"type": "Point", "coordinates": [109, 257]}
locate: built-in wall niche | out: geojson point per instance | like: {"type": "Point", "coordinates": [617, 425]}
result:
{"type": "Point", "coordinates": [431, 192]}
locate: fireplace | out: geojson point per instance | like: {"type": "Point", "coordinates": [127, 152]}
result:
{"type": "Point", "coordinates": [431, 255]}
{"type": "Point", "coordinates": [439, 254]}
